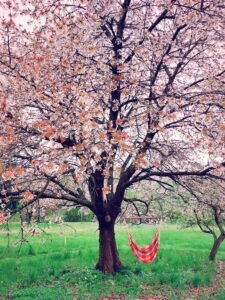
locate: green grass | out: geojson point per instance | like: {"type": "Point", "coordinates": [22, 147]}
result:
{"type": "Point", "coordinates": [60, 264]}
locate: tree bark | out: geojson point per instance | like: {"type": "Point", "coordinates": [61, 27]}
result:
{"type": "Point", "coordinates": [216, 245]}
{"type": "Point", "coordinates": [109, 261]}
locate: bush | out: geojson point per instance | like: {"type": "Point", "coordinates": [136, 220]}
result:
{"type": "Point", "coordinates": [76, 215]}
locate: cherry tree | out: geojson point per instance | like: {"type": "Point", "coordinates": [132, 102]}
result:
{"type": "Point", "coordinates": [206, 208]}
{"type": "Point", "coordinates": [191, 202]}
{"type": "Point", "coordinates": [99, 95]}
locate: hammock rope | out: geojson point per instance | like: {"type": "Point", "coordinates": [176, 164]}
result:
{"type": "Point", "coordinates": [145, 254]}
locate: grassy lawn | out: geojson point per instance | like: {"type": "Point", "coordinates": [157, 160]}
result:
{"type": "Point", "coordinates": [60, 265]}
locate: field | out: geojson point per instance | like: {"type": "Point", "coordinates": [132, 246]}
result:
{"type": "Point", "coordinates": [59, 264]}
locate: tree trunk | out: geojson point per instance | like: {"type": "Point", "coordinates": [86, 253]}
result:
{"type": "Point", "coordinates": [216, 245]}
{"type": "Point", "coordinates": [109, 261]}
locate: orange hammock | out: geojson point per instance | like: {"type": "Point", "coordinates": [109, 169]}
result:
{"type": "Point", "coordinates": [145, 254]}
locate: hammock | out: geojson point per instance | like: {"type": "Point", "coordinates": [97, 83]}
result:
{"type": "Point", "coordinates": [145, 254]}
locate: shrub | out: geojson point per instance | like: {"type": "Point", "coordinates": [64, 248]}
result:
{"type": "Point", "coordinates": [77, 215]}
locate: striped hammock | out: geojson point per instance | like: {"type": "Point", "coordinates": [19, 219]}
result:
{"type": "Point", "coordinates": [145, 254]}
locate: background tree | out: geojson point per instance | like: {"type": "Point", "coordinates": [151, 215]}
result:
{"type": "Point", "coordinates": [192, 202]}
{"type": "Point", "coordinates": [97, 96]}
{"type": "Point", "coordinates": [143, 203]}
{"type": "Point", "coordinates": [206, 208]}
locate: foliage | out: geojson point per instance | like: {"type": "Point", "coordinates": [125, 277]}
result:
{"type": "Point", "coordinates": [75, 215]}
{"type": "Point", "coordinates": [116, 103]}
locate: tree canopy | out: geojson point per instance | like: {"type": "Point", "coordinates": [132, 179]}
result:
{"type": "Point", "coordinates": [99, 95]}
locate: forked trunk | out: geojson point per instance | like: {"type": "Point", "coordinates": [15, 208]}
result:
{"type": "Point", "coordinates": [216, 246]}
{"type": "Point", "coordinates": [109, 261]}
